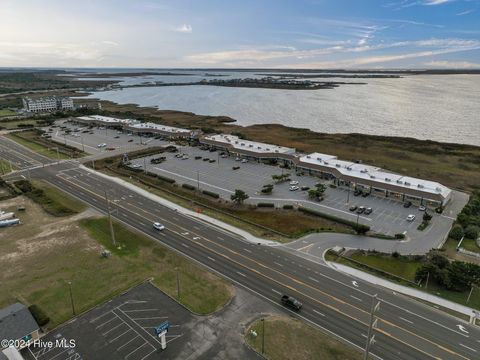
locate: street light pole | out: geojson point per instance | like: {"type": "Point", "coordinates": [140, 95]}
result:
{"type": "Point", "coordinates": [426, 283]}
{"type": "Point", "coordinates": [263, 336]}
{"type": "Point", "coordinates": [372, 325]}
{"type": "Point", "coordinates": [470, 293]}
{"type": "Point", "coordinates": [348, 194]}
{"type": "Point", "coordinates": [83, 146]}
{"type": "Point", "coordinates": [71, 297]}
{"type": "Point", "coordinates": [110, 220]}
{"type": "Point", "coordinates": [178, 284]}
{"type": "Point", "coordinates": [198, 180]}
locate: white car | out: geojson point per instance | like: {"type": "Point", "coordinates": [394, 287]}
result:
{"type": "Point", "coordinates": [422, 208]}
{"type": "Point", "coordinates": [294, 182]}
{"type": "Point", "coordinates": [101, 145]}
{"type": "Point", "coordinates": [410, 217]}
{"type": "Point", "coordinates": [244, 161]}
{"type": "Point", "coordinates": [136, 166]}
{"type": "Point", "coordinates": [158, 226]}
{"type": "Point", "coordinates": [224, 156]}
{"type": "Point", "coordinates": [184, 157]}
{"type": "Point", "coordinates": [237, 159]}
{"type": "Point", "coordinates": [293, 188]}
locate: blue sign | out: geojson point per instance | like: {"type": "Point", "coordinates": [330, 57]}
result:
{"type": "Point", "coordinates": [162, 327]}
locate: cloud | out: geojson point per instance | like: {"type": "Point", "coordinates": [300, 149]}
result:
{"type": "Point", "coordinates": [453, 64]}
{"type": "Point", "coordinates": [185, 28]}
{"type": "Point", "coordinates": [109, 42]}
{"type": "Point", "coordinates": [435, 2]}
{"type": "Point", "coordinates": [466, 12]}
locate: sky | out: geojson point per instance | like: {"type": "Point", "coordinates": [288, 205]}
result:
{"type": "Point", "coordinates": [350, 34]}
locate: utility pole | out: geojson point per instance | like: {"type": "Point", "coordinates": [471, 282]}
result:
{"type": "Point", "coordinates": [372, 325]}
{"type": "Point", "coordinates": [348, 194]}
{"type": "Point", "coordinates": [358, 216]}
{"type": "Point", "coordinates": [178, 284]}
{"type": "Point", "coordinates": [83, 146]}
{"type": "Point", "coordinates": [145, 165]}
{"type": "Point", "coordinates": [71, 298]}
{"type": "Point", "coordinates": [93, 164]}
{"type": "Point", "coordinates": [58, 155]}
{"type": "Point", "coordinates": [198, 180]}
{"type": "Point", "coordinates": [110, 220]}
{"type": "Point", "coordinates": [263, 336]}
{"type": "Point", "coordinates": [426, 283]}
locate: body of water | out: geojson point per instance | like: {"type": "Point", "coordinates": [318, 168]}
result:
{"type": "Point", "coordinates": [438, 107]}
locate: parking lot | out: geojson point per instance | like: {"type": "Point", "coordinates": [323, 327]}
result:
{"type": "Point", "coordinates": [123, 328]}
{"type": "Point", "coordinates": [88, 140]}
{"type": "Point", "coordinates": [210, 171]}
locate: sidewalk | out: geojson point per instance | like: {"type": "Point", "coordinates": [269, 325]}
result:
{"type": "Point", "coordinates": [404, 290]}
{"type": "Point", "coordinates": [219, 224]}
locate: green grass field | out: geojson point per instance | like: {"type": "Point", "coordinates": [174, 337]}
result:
{"type": "Point", "coordinates": [15, 124]}
{"type": "Point", "coordinates": [289, 338]}
{"type": "Point", "coordinates": [56, 202]}
{"type": "Point", "coordinates": [200, 291]}
{"type": "Point", "coordinates": [6, 112]}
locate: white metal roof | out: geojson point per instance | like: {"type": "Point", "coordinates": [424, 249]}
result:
{"type": "Point", "coordinates": [376, 174]}
{"type": "Point", "coordinates": [248, 145]}
{"type": "Point", "coordinates": [108, 119]}
{"type": "Point", "coordinates": [154, 126]}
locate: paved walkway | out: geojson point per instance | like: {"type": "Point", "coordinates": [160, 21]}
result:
{"type": "Point", "coordinates": [403, 289]}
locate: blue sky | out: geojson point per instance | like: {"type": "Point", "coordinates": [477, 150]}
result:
{"type": "Point", "coordinates": [248, 33]}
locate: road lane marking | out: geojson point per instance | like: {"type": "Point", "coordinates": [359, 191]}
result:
{"type": "Point", "coordinates": [279, 293]}
{"type": "Point", "coordinates": [185, 245]}
{"type": "Point", "coordinates": [313, 279]}
{"type": "Point", "coordinates": [408, 321]}
{"type": "Point", "coordinates": [318, 312]}
{"type": "Point", "coordinates": [277, 263]}
{"type": "Point", "coordinates": [356, 298]}
{"type": "Point", "coordinates": [296, 280]}
{"type": "Point", "coordinates": [210, 258]}
{"type": "Point", "coordinates": [462, 329]}
{"type": "Point", "coordinates": [241, 274]}
{"type": "Point", "coordinates": [249, 251]}
{"type": "Point", "coordinates": [469, 348]}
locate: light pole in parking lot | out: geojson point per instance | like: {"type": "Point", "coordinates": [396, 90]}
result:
{"type": "Point", "coordinates": [348, 194]}
{"type": "Point", "coordinates": [71, 297]}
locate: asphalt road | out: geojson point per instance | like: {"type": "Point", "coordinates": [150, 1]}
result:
{"type": "Point", "coordinates": [339, 304]}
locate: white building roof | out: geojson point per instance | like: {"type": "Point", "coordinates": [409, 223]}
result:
{"type": "Point", "coordinates": [376, 174]}
{"type": "Point", "coordinates": [108, 119]}
{"type": "Point", "coordinates": [154, 126]}
{"type": "Point", "coordinates": [247, 145]}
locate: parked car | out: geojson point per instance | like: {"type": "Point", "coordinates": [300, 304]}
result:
{"type": "Point", "coordinates": [116, 137]}
{"type": "Point", "coordinates": [293, 182]}
{"type": "Point", "coordinates": [422, 208]}
{"type": "Point", "coordinates": [198, 157]}
{"type": "Point", "coordinates": [410, 217]}
{"type": "Point", "coordinates": [235, 167]}
{"type": "Point", "coordinates": [224, 155]}
{"type": "Point", "coordinates": [206, 159]}
{"type": "Point", "coordinates": [356, 192]}
{"type": "Point", "coordinates": [305, 188]}
{"type": "Point", "coordinates": [368, 211]}
{"type": "Point", "coordinates": [131, 140]}
{"type": "Point", "coordinates": [293, 188]}
{"type": "Point", "coordinates": [101, 145]}
{"type": "Point", "coordinates": [136, 166]}
{"type": "Point", "coordinates": [237, 159]}
{"type": "Point", "coordinates": [184, 157]}
{"type": "Point", "coordinates": [353, 208]}
{"type": "Point", "coordinates": [365, 194]}
{"type": "Point", "coordinates": [212, 160]}
{"type": "Point", "coordinates": [407, 204]}
{"type": "Point", "coordinates": [158, 226]}
{"type": "Point", "coordinates": [291, 302]}
{"type": "Point", "coordinates": [244, 161]}
{"type": "Point", "coordinates": [360, 210]}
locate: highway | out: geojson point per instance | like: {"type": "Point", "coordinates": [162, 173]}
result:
{"type": "Point", "coordinates": [406, 329]}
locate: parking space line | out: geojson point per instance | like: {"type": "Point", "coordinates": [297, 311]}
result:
{"type": "Point", "coordinates": [106, 322]}
{"type": "Point", "coordinates": [110, 341]}
{"type": "Point", "coordinates": [128, 342]}
{"type": "Point", "coordinates": [113, 328]}
{"type": "Point", "coordinates": [131, 352]}
{"type": "Point", "coordinates": [140, 310]}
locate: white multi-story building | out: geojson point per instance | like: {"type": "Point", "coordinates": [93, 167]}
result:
{"type": "Point", "coordinates": [47, 104]}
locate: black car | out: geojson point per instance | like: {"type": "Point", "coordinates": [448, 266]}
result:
{"type": "Point", "coordinates": [291, 302]}
{"type": "Point", "coordinates": [353, 208]}
{"type": "Point", "coordinates": [360, 210]}
{"type": "Point", "coordinates": [407, 204]}
{"type": "Point", "coordinates": [365, 194]}
{"type": "Point", "coordinates": [357, 193]}
{"type": "Point", "coordinates": [368, 211]}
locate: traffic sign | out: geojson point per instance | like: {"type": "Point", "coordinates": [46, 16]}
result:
{"type": "Point", "coordinates": [162, 327]}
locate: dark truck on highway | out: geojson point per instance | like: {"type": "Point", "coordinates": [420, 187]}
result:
{"type": "Point", "coordinates": [291, 302]}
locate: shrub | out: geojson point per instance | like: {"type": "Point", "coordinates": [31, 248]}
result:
{"type": "Point", "coordinates": [166, 179]}
{"type": "Point", "coordinates": [396, 254]}
{"type": "Point", "coordinates": [23, 185]}
{"type": "Point", "coordinates": [472, 231]}
{"type": "Point", "coordinates": [399, 236]}
{"type": "Point", "coordinates": [188, 186]}
{"type": "Point", "coordinates": [360, 228]}
{"type": "Point", "coordinates": [287, 207]}
{"type": "Point", "coordinates": [266, 205]}
{"type": "Point", "coordinates": [40, 317]}
{"type": "Point", "coordinates": [456, 233]}
{"type": "Point", "coordinates": [211, 194]}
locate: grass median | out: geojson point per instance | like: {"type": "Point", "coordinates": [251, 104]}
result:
{"type": "Point", "coordinates": [289, 338]}
{"type": "Point", "coordinates": [33, 140]}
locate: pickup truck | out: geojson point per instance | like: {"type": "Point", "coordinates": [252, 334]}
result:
{"type": "Point", "coordinates": [291, 302]}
